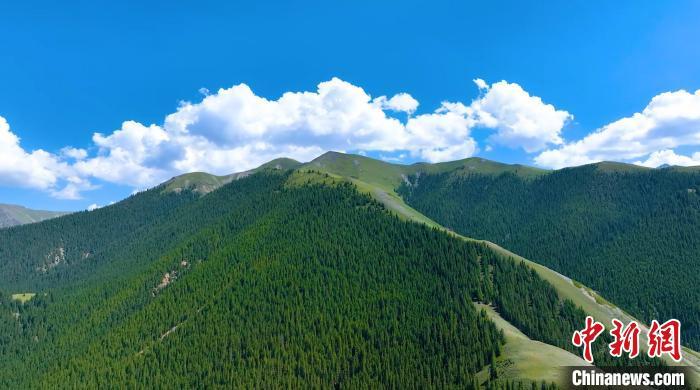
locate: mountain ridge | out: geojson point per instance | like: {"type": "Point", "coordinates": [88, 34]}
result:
{"type": "Point", "coordinates": [389, 175]}
{"type": "Point", "coordinates": [13, 215]}
{"type": "Point", "coordinates": [203, 182]}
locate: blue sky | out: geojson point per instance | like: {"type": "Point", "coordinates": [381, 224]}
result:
{"type": "Point", "coordinates": [67, 72]}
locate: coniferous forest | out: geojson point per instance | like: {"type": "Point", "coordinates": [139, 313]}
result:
{"type": "Point", "coordinates": [259, 284]}
{"type": "Point", "coordinates": [631, 234]}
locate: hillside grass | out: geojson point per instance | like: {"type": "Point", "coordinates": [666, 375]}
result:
{"type": "Point", "coordinates": [205, 183]}
{"type": "Point", "coordinates": [23, 297]}
{"type": "Point", "coordinates": [388, 176]}
{"type": "Point", "coordinates": [526, 359]}
{"type": "Point", "coordinates": [200, 181]}
{"type": "Point", "coordinates": [478, 165]}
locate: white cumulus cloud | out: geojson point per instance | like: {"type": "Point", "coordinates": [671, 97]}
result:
{"type": "Point", "coordinates": [234, 129]}
{"type": "Point", "coordinates": [520, 119]}
{"type": "Point", "coordinates": [669, 157]}
{"type": "Point", "coordinates": [74, 153]}
{"type": "Point", "coordinates": [481, 84]}
{"type": "Point", "coordinates": [130, 155]}
{"type": "Point", "coordinates": [37, 169]}
{"type": "Point", "coordinates": [443, 135]}
{"type": "Point", "coordinates": [670, 120]}
{"type": "Point", "coordinates": [401, 102]}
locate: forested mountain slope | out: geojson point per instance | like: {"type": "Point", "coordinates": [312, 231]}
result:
{"type": "Point", "coordinates": [276, 279]}
{"type": "Point", "coordinates": [12, 215]}
{"type": "Point", "coordinates": [381, 179]}
{"type": "Point", "coordinates": [631, 233]}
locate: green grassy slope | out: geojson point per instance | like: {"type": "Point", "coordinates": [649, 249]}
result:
{"type": "Point", "coordinates": [476, 165]}
{"type": "Point", "coordinates": [381, 178]}
{"type": "Point", "coordinates": [12, 215]}
{"type": "Point", "coordinates": [614, 166]}
{"type": "Point", "coordinates": [378, 173]}
{"type": "Point", "coordinates": [595, 305]}
{"type": "Point", "coordinates": [204, 183]}
{"type": "Point", "coordinates": [527, 359]}
{"type": "Point", "coordinates": [388, 176]}
{"type": "Point", "coordinates": [23, 297]}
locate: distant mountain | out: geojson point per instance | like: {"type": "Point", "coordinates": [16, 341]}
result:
{"type": "Point", "coordinates": [12, 215]}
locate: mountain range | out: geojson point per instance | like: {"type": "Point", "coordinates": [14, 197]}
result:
{"type": "Point", "coordinates": [12, 215]}
{"type": "Point", "coordinates": [348, 272]}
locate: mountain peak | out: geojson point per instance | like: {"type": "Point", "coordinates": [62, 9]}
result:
{"type": "Point", "coordinates": [618, 167]}
{"type": "Point", "coordinates": [204, 183]}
